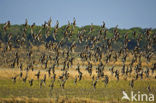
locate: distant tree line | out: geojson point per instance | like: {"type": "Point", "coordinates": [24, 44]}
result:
{"type": "Point", "coordinates": [48, 35]}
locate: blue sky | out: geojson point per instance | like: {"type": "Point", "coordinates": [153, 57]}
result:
{"type": "Point", "coordinates": [125, 13]}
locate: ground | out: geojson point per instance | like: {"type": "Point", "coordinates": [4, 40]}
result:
{"type": "Point", "coordinates": [81, 92]}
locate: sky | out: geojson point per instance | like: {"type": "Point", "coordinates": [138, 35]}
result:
{"type": "Point", "coordinates": [124, 13]}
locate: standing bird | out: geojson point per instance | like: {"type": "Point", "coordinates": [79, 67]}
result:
{"type": "Point", "coordinates": [14, 79]}
{"type": "Point", "coordinates": [95, 83]}
{"type": "Point", "coordinates": [117, 74]}
{"type": "Point", "coordinates": [31, 82]}
{"type": "Point", "coordinates": [106, 80]}
{"type": "Point", "coordinates": [149, 88]}
{"type": "Point", "coordinates": [132, 83]}
{"type": "Point", "coordinates": [75, 81]}
{"type": "Point", "coordinates": [63, 83]}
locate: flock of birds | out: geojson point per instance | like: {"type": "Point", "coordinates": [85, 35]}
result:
{"type": "Point", "coordinates": [95, 49]}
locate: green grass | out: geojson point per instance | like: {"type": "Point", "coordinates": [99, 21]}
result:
{"type": "Point", "coordinates": [83, 89]}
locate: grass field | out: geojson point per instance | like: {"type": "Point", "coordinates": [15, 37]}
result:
{"type": "Point", "coordinates": [83, 91]}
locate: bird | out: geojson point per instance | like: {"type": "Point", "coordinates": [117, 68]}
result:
{"type": "Point", "coordinates": [80, 75]}
{"type": "Point", "coordinates": [21, 74]}
{"type": "Point", "coordinates": [91, 46]}
{"type": "Point", "coordinates": [38, 75]}
{"type": "Point", "coordinates": [75, 81]}
{"type": "Point", "coordinates": [25, 78]}
{"type": "Point", "coordinates": [112, 70]}
{"type": "Point", "coordinates": [14, 79]}
{"type": "Point", "coordinates": [51, 85]}
{"type": "Point", "coordinates": [31, 82]}
{"type": "Point", "coordinates": [106, 80]}
{"type": "Point", "coordinates": [63, 83]}
{"type": "Point", "coordinates": [44, 79]}
{"type": "Point", "coordinates": [74, 22]}
{"type": "Point", "coordinates": [49, 72]}
{"type": "Point", "coordinates": [41, 83]}
{"type": "Point", "coordinates": [149, 88]}
{"type": "Point", "coordinates": [95, 83]}
{"type": "Point", "coordinates": [117, 74]}
{"type": "Point", "coordinates": [132, 83]}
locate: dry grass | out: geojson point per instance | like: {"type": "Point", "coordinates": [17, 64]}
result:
{"type": "Point", "coordinates": [9, 73]}
{"type": "Point", "coordinates": [48, 100]}
{"type": "Point", "coordinates": [83, 92]}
